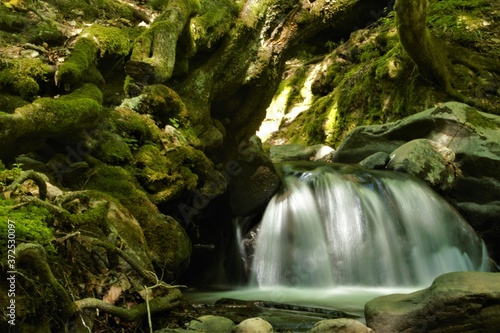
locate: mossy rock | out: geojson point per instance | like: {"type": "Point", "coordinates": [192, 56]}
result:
{"type": "Point", "coordinates": [9, 103]}
{"type": "Point", "coordinates": [170, 256]}
{"type": "Point", "coordinates": [45, 32]}
{"type": "Point", "coordinates": [162, 103]}
{"type": "Point", "coordinates": [22, 76]}
{"type": "Point", "coordinates": [136, 128]}
{"type": "Point", "coordinates": [162, 173]}
{"type": "Point", "coordinates": [113, 149]}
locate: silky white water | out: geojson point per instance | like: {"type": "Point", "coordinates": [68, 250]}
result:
{"type": "Point", "coordinates": [342, 226]}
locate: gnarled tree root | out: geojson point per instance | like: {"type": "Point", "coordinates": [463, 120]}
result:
{"type": "Point", "coordinates": [34, 256]}
{"type": "Point", "coordinates": [34, 176]}
{"type": "Point", "coordinates": [135, 313]}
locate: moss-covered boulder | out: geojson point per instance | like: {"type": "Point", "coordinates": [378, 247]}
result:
{"type": "Point", "coordinates": [455, 302]}
{"type": "Point", "coordinates": [427, 160]}
{"type": "Point", "coordinates": [169, 247]}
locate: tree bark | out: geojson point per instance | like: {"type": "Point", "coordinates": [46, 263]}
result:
{"type": "Point", "coordinates": [427, 53]}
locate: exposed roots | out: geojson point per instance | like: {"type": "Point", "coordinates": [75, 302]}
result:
{"type": "Point", "coordinates": [34, 176]}
{"type": "Point", "coordinates": [34, 256]}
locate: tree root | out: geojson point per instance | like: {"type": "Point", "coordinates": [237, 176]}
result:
{"type": "Point", "coordinates": [148, 276]}
{"type": "Point", "coordinates": [34, 256]}
{"type": "Point", "coordinates": [154, 52]}
{"type": "Point", "coordinates": [34, 176]}
{"type": "Point", "coordinates": [156, 305]}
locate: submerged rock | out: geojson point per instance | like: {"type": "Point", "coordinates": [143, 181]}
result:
{"type": "Point", "coordinates": [455, 302]}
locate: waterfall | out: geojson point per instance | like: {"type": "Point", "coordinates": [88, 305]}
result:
{"type": "Point", "coordinates": [335, 225]}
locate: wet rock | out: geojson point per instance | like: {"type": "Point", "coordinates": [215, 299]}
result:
{"type": "Point", "coordinates": [252, 179]}
{"type": "Point", "coordinates": [376, 161]}
{"type": "Point", "coordinates": [341, 325]}
{"type": "Point", "coordinates": [455, 302]}
{"type": "Point", "coordinates": [322, 151]}
{"type": "Point", "coordinates": [291, 152]}
{"type": "Point", "coordinates": [253, 325]}
{"type": "Point", "coordinates": [211, 324]}
{"type": "Point", "coordinates": [427, 160]}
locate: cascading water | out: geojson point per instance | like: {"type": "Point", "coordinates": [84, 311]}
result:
{"type": "Point", "coordinates": [343, 226]}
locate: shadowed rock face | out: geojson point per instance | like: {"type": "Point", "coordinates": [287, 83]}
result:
{"type": "Point", "coordinates": [470, 180]}
{"type": "Point", "coordinates": [455, 302]}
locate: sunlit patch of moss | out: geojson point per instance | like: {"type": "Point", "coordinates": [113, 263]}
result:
{"type": "Point", "coordinates": [30, 224]}
{"type": "Point", "coordinates": [95, 39]}
{"type": "Point", "coordinates": [94, 9]}
{"type": "Point", "coordinates": [476, 119]}
{"type": "Point", "coordinates": [21, 76]}
{"type": "Point", "coordinates": [214, 20]}
{"type": "Point", "coordinates": [459, 20]}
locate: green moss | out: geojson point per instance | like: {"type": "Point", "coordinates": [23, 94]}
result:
{"type": "Point", "coordinates": [113, 40]}
{"type": "Point", "coordinates": [133, 126]}
{"type": "Point", "coordinates": [214, 20]}
{"type": "Point", "coordinates": [93, 40]}
{"type": "Point", "coordinates": [83, 55]}
{"type": "Point", "coordinates": [113, 149]}
{"type": "Point", "coordinates": [11, 21]}
{"type": "Point", "coordinates": [91, 10]}
{"type": "Point", "coordinates": [45, 32]}
{"type": "Point", "coordinates": [93, 216]}
{"type": "Point", "coordinates": [164, 174]}
{"type": "Point", "coordinates": [30, 225]}
{"type": "Point", "coordinates": [7, 176]}
{"type": "Point", "coordinates": [8, 103]}
{"type": "Point", "coordinates": [474, 118]}
{"type": "Point", "coordinates": [457, 19]}
{"type": "Point", "coordinates": [21, 76]}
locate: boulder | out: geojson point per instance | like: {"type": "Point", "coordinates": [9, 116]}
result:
{"type": "Point", "coordinates": [291, 152]}
{"type": "Point", "coordinates": [253, 325]}
{"type": "Point", "coordinates": [210, 323]}
{"type": "Point", "coordinates": [341, 325]}
{"type": "Point", "coordinates": [252, 179]}
{"type": "Point", "coordinates": [376, 161]}
{"type": "Point", "coordinates": [455, 302]}
{"type": "Point", "coordinates": [427, 160]}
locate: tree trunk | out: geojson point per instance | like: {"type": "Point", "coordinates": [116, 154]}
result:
{"type": "Point", "coordinates": [427, 53]}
